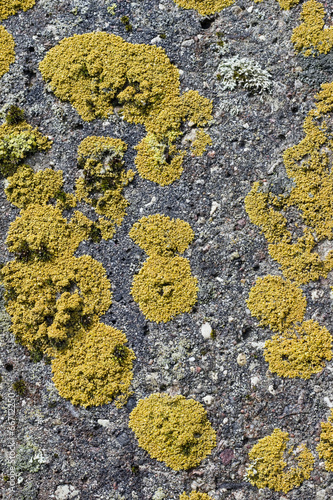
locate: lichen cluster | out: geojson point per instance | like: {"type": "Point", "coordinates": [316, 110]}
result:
{"type": "Point", "coordinates": [11, 7]}
{"type": "Point", "coordinates": [96, 70]}
{"type": "Point", "coordinates": [174, 430]}
{"type": "Point", "coordinates": [325, 447]}
{"type": "Point", "coordinates": [164, 286]}
{"type": "Point", "coordinates": [300, 348]}
{"type": "Point", "coordinates": [103, 181]}
{"type": "Point", "coordinates": [311, 37]}
{"type": "Point", "coordinates": [244, 73]}
{"type": "Point", "coordinates": [205, 7]}
{"type": "Point", "coordinates": [271, 461]}
{"type": "Point", "coordinates": [54, 298]}
{"type": "Point", "coordinates": [195, 495]}
{"type": "Point", "coordinates": [7, 54]}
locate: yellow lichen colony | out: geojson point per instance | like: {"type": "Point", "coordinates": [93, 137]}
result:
{"type": "Point", "coordinates": [103, 181]}
{"type": "Point", "coordinates": [55, 299]}
{"type": "Point", "coordinates": [269, 468]}
{"type": "Point", "coordinates": [94, 70]}
{"type": "Point", "coordinates": [164, 287]}
{"type": "Point", "coordinates": [300, 351]}
{"type": "Point", "coordinates": [174, 430]}
{"type": "Point", "coordinates": [96, 368]}
{"type": "Point", "coordinates": [300, 348]}
{"type": "Point", "coordinates": [205, 7]}
{"type": "Point", "coordinates": [276, 302]}
{"type": "Point", "coordinates": [7, 54]}
{"type": "Point", "coordinates": [325, 447]}
{"type": "Point", "coordinates": [195, 495]}
{"type": "Point", "coordinates": [311, 37]}
{"type": "Point", "coordinates": [11, 7]}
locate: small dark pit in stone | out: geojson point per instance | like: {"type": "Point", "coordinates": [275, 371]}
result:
{"type": "Point", "coordinates": [207, 22]}
{"type": "Point", "coordinates": [8, 367]}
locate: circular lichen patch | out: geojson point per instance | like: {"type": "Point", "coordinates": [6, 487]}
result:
{"type": "Point", "coordinates": [276, 302]}
{"type": "Point", "coordinates": [160, 235]}
{"type": "Point", "coordinates": [174, 430]}
{"type": "Point", "coordinates": [7, 53]}
{"type": "Point", "coordinates": [270, 468]}
{"type": "Point", "coordinates": [299, 352]}
{"type": "Point", "coordinates": [164, 287]}
{"type": "Point", "coordinates": [96, 368]}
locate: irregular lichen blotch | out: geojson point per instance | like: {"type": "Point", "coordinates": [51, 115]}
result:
{"type": "Point", "coordinates": [7, 53]}
{"type": "Point", "coordinates": [271, 461]}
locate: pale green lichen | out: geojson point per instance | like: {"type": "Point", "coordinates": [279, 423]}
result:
{"type": "Point", "coordinates": [95, 70]}
{"type": "Point", "coordinates": [174, 430]}
{"type": "Point", "coordinates": [243, 73]}
{"type": "Point", "coordinates": [7, 54]}
{"type": "Point", "coordinates": [11, 7]}
{"type": "Point", "coordinates": [325, 447]}
{"type": "Point", "coordinates": [96, 368]}
{"type": "Point", "coordinates": [271, 463]}
{"type": "Point", "coordinates": [276, 302]}
{"type": "Point", "coordinates": [103, 180]}
{"type": "Point", "coordinates": [299, 352]}
{"type": "Point", "coordinates": [311, 37]}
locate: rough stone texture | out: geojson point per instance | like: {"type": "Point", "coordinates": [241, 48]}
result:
{"type": "Point", "coordinates": [91, 453]}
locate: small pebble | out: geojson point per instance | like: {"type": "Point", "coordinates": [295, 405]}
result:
{"type": "Point", "coordinates": [241, 359]}
{"type": "Point", "coordinates": [206, 331]}
{"type": "Point", "coordinates": [208, 400]}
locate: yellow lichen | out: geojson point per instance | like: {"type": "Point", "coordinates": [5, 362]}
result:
{"type": "Point", "coordinates": [11, 7]}
{"type": "Point", "coordinates": [158, 162]}
{"type": "Point", "coordinates": [51, 295]}
{"type": "Point", "coordinates": [164, 288]}
{"type": "Point", "coordinates": [95, 70]}
{"type": "Point", "coordinates": [17, 142]}
{"type": "Point", "coordinates": [7, 54]}
{"type": "Point", "coordinates": [195, 495]}
{"type": "Point", "coordinates": [270, 468]}
{"type": "Point", "coordinates": [276, 302]}
{"type": "Point", "coordinates": [159, 235]}
{"type": "Point", "coordinates": [103, 180]}
{"type": "Point", "coordinates": [308, 165]}
{"type": "Point", "coordinates": [299, 352]}
{"type": "Point", "coordinates": [174, 430]}
{"type": "Point", "coordinates": [287, 4]}
{"type": "Point", "coordinates": [311, 37]}
{"type": "Point", "coordinates": [95, 368]}
{"type": "Point", "coordinates": [199, 145]}
{"type": "Point", "coordinates": [205, 7]}
{"type": "Point", "coordinates": [325, 447]}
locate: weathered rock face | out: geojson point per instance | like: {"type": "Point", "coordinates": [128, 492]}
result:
{"type": "Point", "coordinates": [262, 91]}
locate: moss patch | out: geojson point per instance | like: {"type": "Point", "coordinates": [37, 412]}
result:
{"type": "Point", "coordinates": [300, 351]}
{"type": "Point", "coordinates": [103, 180]}
{"type": "Point", "coordinates": [276, 302]}
{"type": "Point", "coordinates": [325, 447]}
{"type": "Point", "coordinates": [95, 70]}
{"type": "Point", "coordinates": [7, 54]}
{"type": "Point", "coordinates": [174, 430]}
{"type": "Point", "coordinates": [11, 7]}
{"type": "Point", "coordinates": [269, 467]}
{"type": "Point", "coordinates": [311, 37]}
{"type": "Point", "coordinates": [96, 368]}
